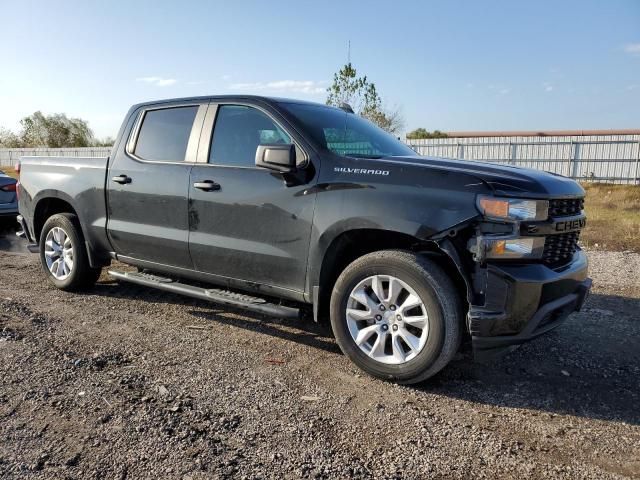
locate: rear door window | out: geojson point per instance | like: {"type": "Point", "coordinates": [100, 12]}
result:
{"type": "Point", "coordinates": [164, 134]}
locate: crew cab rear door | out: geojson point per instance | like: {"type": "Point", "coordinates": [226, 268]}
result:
{"type": "Point", "coordinates": [248, 223]}
{"type": "Point", "coordinates": [148, 185]}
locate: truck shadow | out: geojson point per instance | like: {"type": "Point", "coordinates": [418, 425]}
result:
{"type": "Point", "coordinates": [306, 333]}
{"type": "Point", "coordinates": [588, 367]}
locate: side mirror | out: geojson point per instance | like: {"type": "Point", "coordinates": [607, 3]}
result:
{"type": "Point", "coordinates": [277, 156]}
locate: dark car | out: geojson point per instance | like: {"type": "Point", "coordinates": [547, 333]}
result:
{"type": "Point", "coordinates": [285, 207]}
{"type": "Point", "coordinates": [8, 198]}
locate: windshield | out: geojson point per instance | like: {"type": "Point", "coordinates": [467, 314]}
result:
{"type": "Point", "coordinates": [346, 134]}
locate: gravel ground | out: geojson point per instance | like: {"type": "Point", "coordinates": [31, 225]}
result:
{"type": "Point", "coordinates": [127, 382]}
{"type": "Point", "coordinates": [8, 240]}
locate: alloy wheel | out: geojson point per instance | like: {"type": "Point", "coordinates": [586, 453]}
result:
{"type": "Point", "coordinates": [58, 252]}
{"type": "Point", "coordinates": [387, 319]}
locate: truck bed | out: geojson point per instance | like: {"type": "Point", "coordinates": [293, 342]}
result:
{"type": "Point", "coordinates": [79, 181]}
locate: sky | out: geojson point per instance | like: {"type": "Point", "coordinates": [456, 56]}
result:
{"type": "Point", "coordinates": [448, 65]}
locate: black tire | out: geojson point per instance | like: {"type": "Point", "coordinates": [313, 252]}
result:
{"type": "Point", "coordinates": [82, 276]}
{"type": "Point", "coordinates": [440, 299]}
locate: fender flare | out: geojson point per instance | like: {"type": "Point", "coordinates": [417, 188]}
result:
{"type": "Point", "coordinates": [57, 194]}
{"type": "Point", "coordinates": [447, 247]}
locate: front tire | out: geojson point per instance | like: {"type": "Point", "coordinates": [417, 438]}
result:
{"type": "Point", "coordinates": [396, 315]}
{"type": "Point", "coordinates": [63, 254]}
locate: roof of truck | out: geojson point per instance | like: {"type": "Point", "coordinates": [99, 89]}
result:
{"type": "Point", "coordinates": [227, 97]}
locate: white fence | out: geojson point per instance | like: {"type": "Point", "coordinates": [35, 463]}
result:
{"type": "Point", "coordinates": [9, 156]}
{"type": "Point", "coordinates": [597, 158]}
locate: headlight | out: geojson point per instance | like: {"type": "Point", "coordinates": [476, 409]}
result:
{"type": "Point", "coordinates": [513, 208]}
{"type": "Point", "coordinates": [524, 247]}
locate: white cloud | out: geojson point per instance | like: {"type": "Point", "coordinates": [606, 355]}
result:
{"type": "Point", "coordinates": [226, 78]}
{"type": "Point", "coordinates": [632, 48]}
{"type": "Point", "coordinates": [158, 81]}
{"type": "Point", "coordinates": [633, 86]}
{"type": "Point", "coordinates": [297, 86]}
{"type": "Point", "coordinates": [548, 87]}
{"type": "Point", "coordinates": [499, 89]}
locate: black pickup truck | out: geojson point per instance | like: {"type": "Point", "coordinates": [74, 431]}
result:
{"type": "Point", "coordinates": [285, 207]}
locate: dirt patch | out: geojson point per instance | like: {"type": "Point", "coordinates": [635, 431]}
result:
{"type": "Point", "coordinates": [117, 383]}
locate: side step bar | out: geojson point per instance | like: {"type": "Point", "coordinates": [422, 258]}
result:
{"type": "Point", "coordinates": [223, 297]}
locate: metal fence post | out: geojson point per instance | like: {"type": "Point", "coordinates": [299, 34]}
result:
{"type": "Point", "coordinates": [576, 159]}
{"type": "Point", "coordinates": [637, 179]}
{"type": "Point", "coordinates": [461, 151]}
{"type": "Point", "coordinates": [571, 159]}
{"type": "Point", "coordinates": [514, 153]}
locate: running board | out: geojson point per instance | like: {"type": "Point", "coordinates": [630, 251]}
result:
{"type": "Point", "coordinates": [215, 295]}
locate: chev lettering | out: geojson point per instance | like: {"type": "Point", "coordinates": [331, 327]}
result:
{"type": "Point", "coordinates": [571, 225]}
{"type": "Point", "coordinates": [361, 171]}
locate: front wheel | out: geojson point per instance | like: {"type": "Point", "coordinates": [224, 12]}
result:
{"type": "Point", "coordinates": [396, 315]}
{"type": "Point", "coordinates": [63, 254]}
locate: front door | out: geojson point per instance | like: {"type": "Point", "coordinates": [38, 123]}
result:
{"type": "Point", "coordinates": [245, 222]}
{"type": "Point", "coordinates": [148, 186]}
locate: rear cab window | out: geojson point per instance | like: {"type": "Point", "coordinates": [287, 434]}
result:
{"type": "Point", "coordinates": [164, 133]}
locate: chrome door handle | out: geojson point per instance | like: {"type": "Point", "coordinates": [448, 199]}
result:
{"type": "Point", "coordinates": [207, 185]}
{"type": "Point", "coordinates": [121, 179]}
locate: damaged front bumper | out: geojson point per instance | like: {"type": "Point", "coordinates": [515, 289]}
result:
{"type": "Point", "coordinates": [523, 301]}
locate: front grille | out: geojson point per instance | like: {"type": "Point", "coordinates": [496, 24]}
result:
{"type": "Point", "coordinates": [565, 207]}
{"type": "Point", "coordinates": [559, 249]}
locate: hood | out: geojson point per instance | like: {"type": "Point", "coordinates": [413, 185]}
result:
{"type": "Point", "coordinates": [507, 180]}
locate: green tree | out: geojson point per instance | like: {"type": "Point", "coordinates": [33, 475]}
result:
{"type": "Point", "coordinates": [105, 142]}
{"type": "Point", "coordinates": [52, 131]}
{"type": "Point", "coordinates": [55, 131]}
{"type": "Point", "coordinates": [8, 139]}
{"type": "Point", "coordinates": [363, 97]}
{"type": "Point", "coordinates": [419, 133]}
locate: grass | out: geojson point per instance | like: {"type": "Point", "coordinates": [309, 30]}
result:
{"type": "Point", "coordinates": [613, 216]}
{"type": "Point", "coordinates": [9, 171]}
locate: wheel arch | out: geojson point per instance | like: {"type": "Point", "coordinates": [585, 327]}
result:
{"type": "Point", "coordinates": [46, 207]}
{"type": "Point", "coordinates": [53, 202]}
{"type": "Point", "coordinates": [352, 244]}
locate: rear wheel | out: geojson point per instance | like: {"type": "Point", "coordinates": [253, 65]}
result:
{"type": "Point", "coordinates": [63, 254]}
{"type": "Point", "coordinates": [396, 315]}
